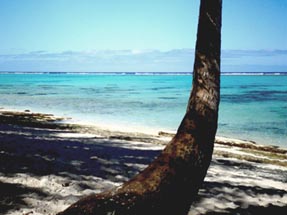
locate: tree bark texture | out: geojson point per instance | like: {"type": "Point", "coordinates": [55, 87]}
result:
{"type": "Point", "coordinates": [171, 182]}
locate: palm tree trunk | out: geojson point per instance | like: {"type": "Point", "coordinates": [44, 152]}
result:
{"type": "Point", "coordinates": [171, 182]}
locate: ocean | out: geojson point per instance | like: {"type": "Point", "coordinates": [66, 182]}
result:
{"type": "Point", "coordinates": [252, 107]}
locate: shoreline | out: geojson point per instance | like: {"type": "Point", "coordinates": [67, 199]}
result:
{"type": "Point", "coordinates": [126, 127]}
{"type": "Point", "coordinates": [47, 120]}
{"type": "Point", "coordinates": [47, 164]}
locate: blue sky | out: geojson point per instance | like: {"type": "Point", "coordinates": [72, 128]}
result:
{"type": "Point", "coordinates": [136, 35]}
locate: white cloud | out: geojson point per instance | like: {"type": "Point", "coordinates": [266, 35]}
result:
{"type": "Point", "coordinates": [177, 60]}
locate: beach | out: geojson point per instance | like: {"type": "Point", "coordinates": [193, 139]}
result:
{"type": "Point", "coordinates": [48, 164]}
{"type": "Point", "coordinates": [143, 108]}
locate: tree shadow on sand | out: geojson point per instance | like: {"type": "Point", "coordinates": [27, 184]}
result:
{"type": "Point", "coordinates": [38, 153]}
{"type": "Point", "coordinates": [241, 188]}
{"type": "Point", "coordinates": [11, 196]}
{"type": "Point", "coordinates": [43, 152]}
{"type": "Point", "coordinates": [242, 199]}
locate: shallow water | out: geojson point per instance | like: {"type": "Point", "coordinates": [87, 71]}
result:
{"type": "Point", "coordinates": [252, 107]}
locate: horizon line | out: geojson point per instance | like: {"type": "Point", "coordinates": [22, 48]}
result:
{"type": "Point", "coordinates": [139, 73]}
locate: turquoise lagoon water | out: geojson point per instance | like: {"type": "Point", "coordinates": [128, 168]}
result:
{"type": "Point", "coordinates": [251, 108]}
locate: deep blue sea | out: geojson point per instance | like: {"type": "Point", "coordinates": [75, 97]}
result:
{"type": "Point", "coordinates": [252, 107]}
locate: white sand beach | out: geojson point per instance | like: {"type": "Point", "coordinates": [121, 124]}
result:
{"type": "Point", "coordinates": [45, 166]}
